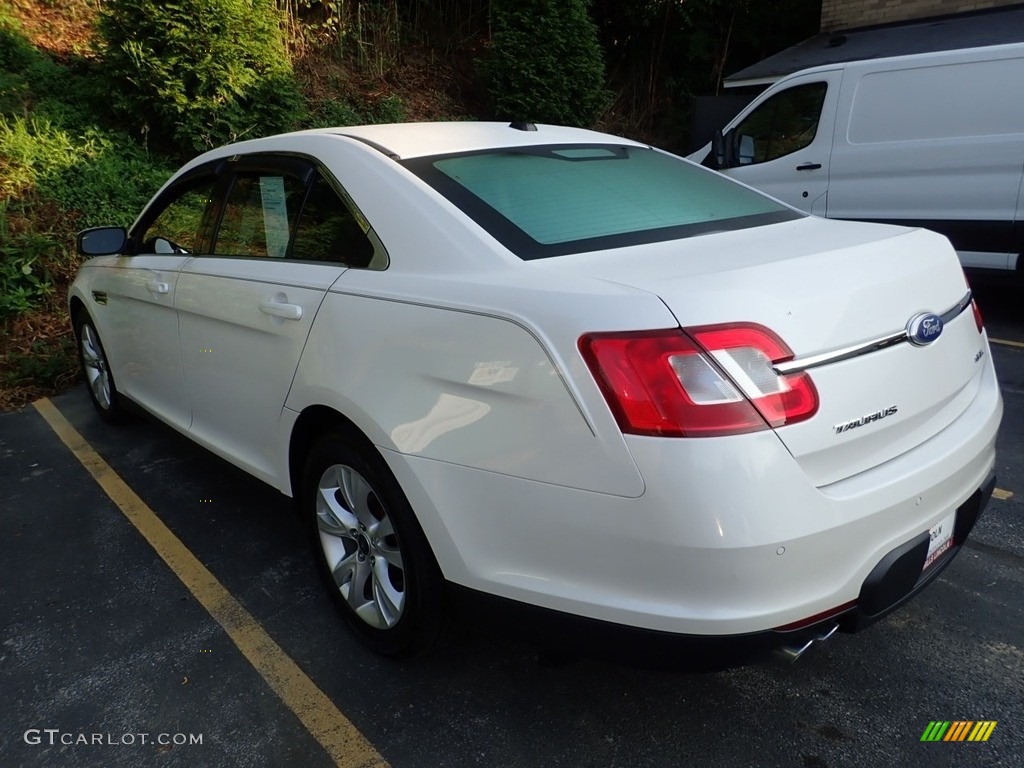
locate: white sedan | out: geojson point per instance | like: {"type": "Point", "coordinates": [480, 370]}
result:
{"type": "Point", "coordinates": [557, 381]}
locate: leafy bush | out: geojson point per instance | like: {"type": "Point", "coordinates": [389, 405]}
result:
{"type": "Point", "coordinates": [46, 363]}
{"type": "Point", "coordinates": [331, 113]}
{"type": "Point", "coordinates": [23, 279]}
{"type": "Point", "coordinates": [200, 72]}
{"type": "Point", "coordinates": [545, 63]}
{"type": "Point", "coordinates": [97, 176]}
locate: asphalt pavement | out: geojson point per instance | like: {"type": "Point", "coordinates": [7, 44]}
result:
{"type": "Point", "coordinates": [108, 659]}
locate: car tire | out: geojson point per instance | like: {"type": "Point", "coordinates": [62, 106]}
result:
{"type": "Point", "coordinates": [99, 379]}
{"type": "Point", "coordinates": [370, 549]}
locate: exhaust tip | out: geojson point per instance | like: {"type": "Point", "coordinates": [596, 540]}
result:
{"type": "Point", "coordinates": [791, 652]}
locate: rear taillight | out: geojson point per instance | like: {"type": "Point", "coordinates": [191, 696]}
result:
{"type": "Point", "coordinates": [977, 315]}
{"type": "Point", "coordinates": [702, 382]}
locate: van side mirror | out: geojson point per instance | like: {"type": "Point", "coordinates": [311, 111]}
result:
{"type": "Point", "coordinates": [746, 150]}
{"type": "Point", "coordinates": [716, 157]}
{"type": "Point", "coordinates": [101, 241]}
{"type": "Point", "coordinates": [724, 152]}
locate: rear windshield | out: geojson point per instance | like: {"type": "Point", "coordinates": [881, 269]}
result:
{"type": "Point", "coordinates": [553, 200]}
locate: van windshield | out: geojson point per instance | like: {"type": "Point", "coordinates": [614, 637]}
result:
{"type": "Point", "coordinates": [552, 200]}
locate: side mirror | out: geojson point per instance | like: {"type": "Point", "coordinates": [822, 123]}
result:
{"type": "Point", "coordinates": [101, 241]}
{"type": "Point", "coordinates": [716, 158]}
{"type": "Point", "coordinates": [746, 150]}
{"type": "Point", "coordinates": [724, 150]}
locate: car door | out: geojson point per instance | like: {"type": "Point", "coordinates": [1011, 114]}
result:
{"type": "Point", "coordinates": [246, 309]}
{"type": "Point", "coordinates": [140, 291]}
{"type": "Point", "coordinates": [783, 145]}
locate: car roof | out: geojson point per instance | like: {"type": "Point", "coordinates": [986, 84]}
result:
{"type": "Point", "coordinates": [408, 140]}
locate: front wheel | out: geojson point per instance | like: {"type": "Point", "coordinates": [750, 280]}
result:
{"type": "Point", "coordinates": [370, 550]}
{"type": "Point", "coordinates": [96, 369]}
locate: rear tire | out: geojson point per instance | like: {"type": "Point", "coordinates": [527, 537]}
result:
{"type": "Point", "coordinates": [99, 379]}
{"type": "Point", "coordinates": [370, 550]}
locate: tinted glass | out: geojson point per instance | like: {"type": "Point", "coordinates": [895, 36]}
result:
{"type": "Point", "coordinates": [785, 123]}
{"type": "Point", "coordinates": [546, 201]}
{"type": "Point", "coordinates": [259, 215]}
{"type": "Point", "coordinates": [179, 228]}
{"type": "Point", "coordinates": [329, 230]}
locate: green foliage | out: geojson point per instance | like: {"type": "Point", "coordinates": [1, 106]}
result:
{"type": "Point", "coordinates": [200, 72]}
{"type": "Point", "coordinates": [99, 176]}
{"type": "Point", "coordinates": [545, 63]}
{"type": "Point", "coordinates": [23, 279]}
{"type": "Point", "coordinates": [46, 363]}
{"type": "Point", "coordinates": [333, 113]}
{"type": "Point", "coordinates": [15, 51]}
{"type": "Point", "coordinates": [366, 33]}
{"type": "Point", "coordinates": [59, 169]}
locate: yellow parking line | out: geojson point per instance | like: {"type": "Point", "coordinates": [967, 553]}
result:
{"type": "Point", "coordinates": [336, 734]}
{"type": "Point", "coordinates": [1002, 494]}
{"type": "Point", "coordinates": [1007, 342]}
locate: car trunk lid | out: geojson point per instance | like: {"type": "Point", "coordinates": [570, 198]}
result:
{"type": "Point", "coordinates": [828, 289]}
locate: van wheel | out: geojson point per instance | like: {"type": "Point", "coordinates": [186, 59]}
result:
{"type": "Point", "coordinates": [96, 369]}
{"type": "Point", "coordinates": [370, 550]}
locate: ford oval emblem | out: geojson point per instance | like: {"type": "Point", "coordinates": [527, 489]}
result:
{"type": "Point", "coordinates": [924, 328]}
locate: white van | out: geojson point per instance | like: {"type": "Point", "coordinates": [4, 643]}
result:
{"type": "Point", "coordinates": [932, 140]}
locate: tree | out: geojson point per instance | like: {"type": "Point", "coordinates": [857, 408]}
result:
{"type": "Point", "coordinates": [200, 72]}
{"type": "Point", "coordinates": [545, 63]}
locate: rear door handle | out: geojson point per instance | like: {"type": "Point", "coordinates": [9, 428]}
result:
{"type": "Point", "coordinates": [280, 309]}
{"type": "Point", "coordinates": [809, 167]}
{"type": "Point", "coordinates": [156, 286]}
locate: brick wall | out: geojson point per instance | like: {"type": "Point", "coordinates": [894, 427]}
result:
{"type": "Point", "coordinates": [843, 14]}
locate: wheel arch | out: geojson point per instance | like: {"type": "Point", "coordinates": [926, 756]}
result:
{"type": "Point", "coordinates": [76, 308]}
{"type": "Point", "coordinates": [313, 423]}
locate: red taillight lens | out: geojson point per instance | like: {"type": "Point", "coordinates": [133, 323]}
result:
{"type": "Point", "coordinates": [704, 382]}
{"type": "Point", "coordinates": [977, 315]}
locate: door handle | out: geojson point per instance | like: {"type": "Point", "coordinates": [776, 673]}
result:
{"type": "Point", "coordinates": [279, 309]}
{"type": "Point", "coordinates": [809, 167]}
{"type": "Point", "coordinates": [156, 286]}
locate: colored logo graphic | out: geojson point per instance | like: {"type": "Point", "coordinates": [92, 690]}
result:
{"type": "Point", "coordinates": [958, 730]}
{"type": "Point", "coordinates": [924, 328]}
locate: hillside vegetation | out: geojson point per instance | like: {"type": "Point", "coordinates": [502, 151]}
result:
{"type": "Point", "coordinates": [100, 100]}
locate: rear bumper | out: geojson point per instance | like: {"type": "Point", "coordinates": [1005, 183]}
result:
{"type": "Point", "coordinates": [897, 578]}
{"type": "Point", "coordinates": [900, 574]}
{"type": "Point", "coordinates": [729, 539]}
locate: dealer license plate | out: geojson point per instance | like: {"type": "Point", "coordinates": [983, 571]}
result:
{"type": "Point", "coordinates": [940, 539]}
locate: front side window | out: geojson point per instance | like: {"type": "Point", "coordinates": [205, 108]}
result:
{"type": "Point", "coordinates": [181, 227]}
{"type": "Point", "coordinates": [785, 123]}
{"type": "Point", "coordinates": [553, 200]}
{"type": "Point", "coordinates": [259, 215]}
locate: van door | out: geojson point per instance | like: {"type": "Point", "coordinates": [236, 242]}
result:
{"type": "Point", "coordinates": [782, 144]}
{"type": "Point", "coordinates": [1016, 260]}
{"type": "Point", "coordinates": [934, 141]}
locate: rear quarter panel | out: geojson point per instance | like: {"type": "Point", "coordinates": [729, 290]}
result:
{"type": "Point", "coordinates": [462, 386]}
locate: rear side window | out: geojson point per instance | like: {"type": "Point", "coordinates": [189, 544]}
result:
{"type": "Point", "coordinates": [554, 200]}
{"type": "Point", "coordinates": [330, 230]}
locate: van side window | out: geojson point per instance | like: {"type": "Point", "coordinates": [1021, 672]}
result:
{"type": "Point", "coordinates": [785, 123]}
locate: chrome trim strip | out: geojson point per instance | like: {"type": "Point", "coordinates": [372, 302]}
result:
{"type": "Point", "coordinates": [864, 348]}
